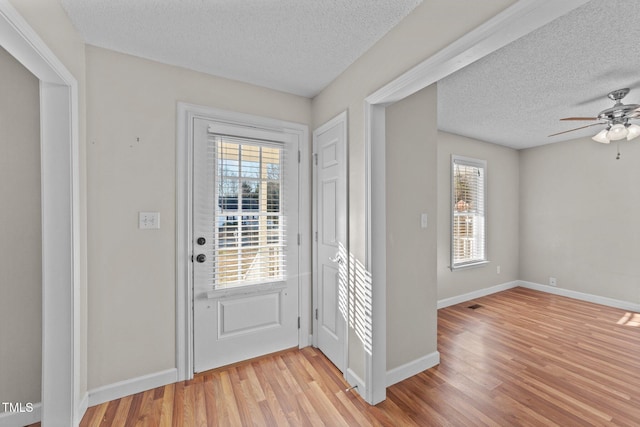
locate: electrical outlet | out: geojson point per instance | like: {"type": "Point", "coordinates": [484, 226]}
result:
{"type": "Point", "coordinates": [553, 281]}
{"type": "Point", "coordinates": [498, 269]}
{"type": "Point", "coordinates": [148, 220]}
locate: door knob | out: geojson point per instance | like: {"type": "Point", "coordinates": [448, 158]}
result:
{"type": "Point", "coordinates": [201, 258]}
{"type": "Point", "coordinates": [201, 241]}
{"type": "Point", "coordinates": [337, 258]}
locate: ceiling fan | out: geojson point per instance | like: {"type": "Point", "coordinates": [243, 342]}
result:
{"type": "Point", "coordinates": [617, 120]}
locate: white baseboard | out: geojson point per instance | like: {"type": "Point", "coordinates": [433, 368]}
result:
{"type": "Point", "coordinates": [610, 302]}
{"type": "Point", "coordinates": [132, 386]}
{"type": "Point", "coordinates": [15, 419]}
{"type": "Point", "coordinates": [355, 381]}
{"type": "Point", "coordinates": [412, 368]}
{"type": "Point", "coordinates": [476, 294]}
{"type": "Point", "coordinates": [82, 407]}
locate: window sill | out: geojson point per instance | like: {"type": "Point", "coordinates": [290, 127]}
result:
{"type": "Point", "coordinates": [469, 265]}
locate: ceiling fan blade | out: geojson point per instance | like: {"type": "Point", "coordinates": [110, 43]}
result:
{"type": "Point", "coordinates": [571, 130]}
{"type": "Point", "coordinates": [579, 118]}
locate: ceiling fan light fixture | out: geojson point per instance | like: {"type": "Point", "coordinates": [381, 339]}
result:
{"type": "Point", "coordinates": [617, 132]}
{"type": "Point", "coordinates": [633, 132]}
{"type": "Point", "coordinates": [617, 119]}
{"type": "Point", "coordinates": [602, 136]}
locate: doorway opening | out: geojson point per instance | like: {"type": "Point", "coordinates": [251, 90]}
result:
{"type": "Point", "coordinates": [60, 182]}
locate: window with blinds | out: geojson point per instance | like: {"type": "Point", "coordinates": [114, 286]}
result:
{"type": "Point", "coordinates": [249, 221]}
{"type": "Point", "coordinates": [468, 214]}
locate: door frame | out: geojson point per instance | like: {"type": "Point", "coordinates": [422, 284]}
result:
{"type": "Point", "coordinates": [514, 22]}
{"type": "Point", "coordinates": [186, 113]}
{"type": "Point", "coordinates": [340, 118]}
{"type": "Point", "coordinates": [60, 183]}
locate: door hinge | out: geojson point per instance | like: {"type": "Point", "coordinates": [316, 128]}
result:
{"type": "Point", "coordinates": [315, 158]}
{"type": "Point", "coordinates": [298, 322]}
{"type": "Point", "coordinates": [299, 238]}
{"type": "Point", "coordinates": [316, 314]}
{"type": "Point", "coordinates": [299, 156]}
{"type": "Point", "coordinates": [316, 236]}
{"type": "Point", "coordinates": [191, 258]}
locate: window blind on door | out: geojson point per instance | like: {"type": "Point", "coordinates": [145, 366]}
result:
{"type": "Point", "coordinates": [249, 227]}
{"type": "Point", "coordinates": [468, 219]}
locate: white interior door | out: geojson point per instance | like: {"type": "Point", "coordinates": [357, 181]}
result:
{"type": "Point", "coordinates": [331, 255]}
{"type": "Point", "coordinates": [245, 243]}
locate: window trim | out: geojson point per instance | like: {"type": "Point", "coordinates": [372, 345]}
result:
{"type": "Point", "coordinates": [479, 163]}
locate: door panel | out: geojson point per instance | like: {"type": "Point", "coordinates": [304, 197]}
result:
{"type": "Point", "coordinates": [265, 309]}
{"type": "Point", "coordinates": [329, 297]}
{"type": "Point", "coordinates": [329, 220]}
{"type": "Point", "coordinates": [245, 221]}
{"type": "Point", "coordinates": [330, 277]}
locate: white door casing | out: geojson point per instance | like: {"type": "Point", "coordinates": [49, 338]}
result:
{"type": "Point", "coordinates": [512, 23]}
{"type": "Point", "coordinates": [331, 260]}
{"type": "Point", "coordinates": [248, 319]}
{"type": "Point", "coordinates": [60, 176]}
{"type": "Point", "coordinates": [187, 114]}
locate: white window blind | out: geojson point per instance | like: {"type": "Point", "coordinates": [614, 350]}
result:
{"type": "Point", "coordinates": [249, 222]}
{"type": "Point", "coordinates": [468, 214]}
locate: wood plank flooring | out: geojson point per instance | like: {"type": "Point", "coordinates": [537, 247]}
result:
{"type": "Point", "coordinates": [526, 358]}
{"type": "Point", "coordinates": [523, 358]}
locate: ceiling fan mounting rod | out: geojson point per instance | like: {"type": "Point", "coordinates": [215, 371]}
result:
{"type": "Point", "coordinates": [619, 113]}
{"type": "Point", "coordinates": [617, 95]}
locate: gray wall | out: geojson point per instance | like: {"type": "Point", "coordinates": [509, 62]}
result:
{"type": "Point", "coordinates": [131, 319]}
{"type": "Point", "coordinates": [407, 44]}
{"type": "Point", "coordinates": [411, 162]}
{"type": "Point", "coordinates": [20, 234]}
{"type": "Point", "coordinates": [579, 212]}
{"type": "Point", "coordinates": [502, 216]}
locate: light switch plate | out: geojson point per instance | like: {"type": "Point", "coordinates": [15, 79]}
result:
{"type": "Point", "coordinates": [423, 220]}
{"type": "Point", "coordinates": [148, 220]}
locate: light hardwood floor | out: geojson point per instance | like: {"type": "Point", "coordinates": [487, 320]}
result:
{"type": "Point", "coordinates": [523, 358]}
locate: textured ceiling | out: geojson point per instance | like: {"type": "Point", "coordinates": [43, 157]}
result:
{"type": "Point", "coordinates": [296, 46]}
{"type": "Point", "coordinates": [516, 96]}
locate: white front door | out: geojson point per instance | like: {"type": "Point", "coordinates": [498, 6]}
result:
{"type": "Point", "coordinates": [245, 242]}
{"type": "Point", "coordinates": [331, 259]}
